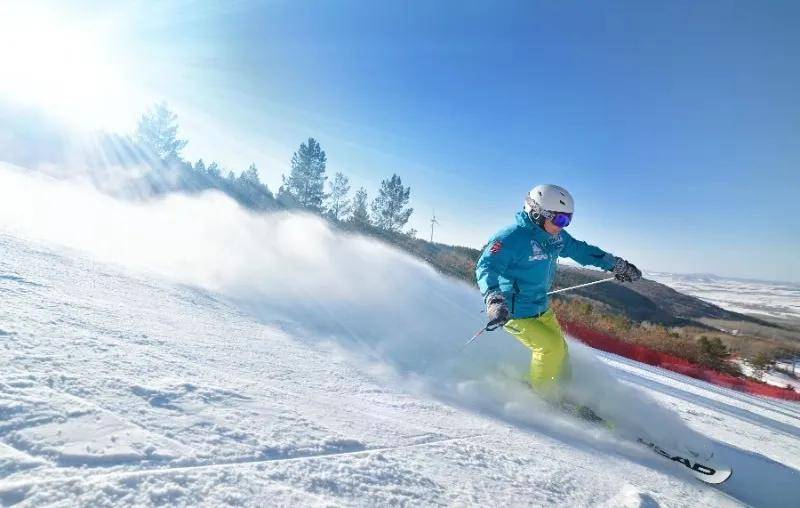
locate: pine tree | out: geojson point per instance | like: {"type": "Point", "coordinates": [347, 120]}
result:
{"type": "Point", "coordinates": [213, 170]}
{"type": "Point", "coordinates": [305, 183]}
{"type": "Point", "coordinates": [761, 364]}
{"type": "Point", "coordinates": [250, 189]}
{"type": "Point", "coordinates": [360, 215]}
{"type": "Point", "coordinates": [389, 210]}
{"type": "Point", "coordinates": [250, 175]}
{"type": "Point", "coordinates": [712, 353]}
{"type": "Point", "coordinates": [157, 133]}
{"type": "Point", "coordinates": [338, 204]}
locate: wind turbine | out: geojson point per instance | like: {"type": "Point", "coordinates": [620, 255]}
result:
{"type": "Point", "coordinates": [433, 222]}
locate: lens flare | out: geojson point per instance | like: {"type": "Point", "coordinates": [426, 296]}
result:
{"type": "Point", "coordinates": [67, 69]}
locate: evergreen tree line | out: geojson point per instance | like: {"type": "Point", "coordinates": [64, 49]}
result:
{"type": "Point", "coordinates": [304, 187]}
{"type": "Point", "coordinates": [157, 142]}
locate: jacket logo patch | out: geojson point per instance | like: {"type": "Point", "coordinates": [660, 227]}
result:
{"type": "Point", "coordinates": [538, 254]}
{"type": "Point", "coordinates": [496, 247]}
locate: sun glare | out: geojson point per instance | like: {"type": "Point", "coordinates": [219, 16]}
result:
{"type": "Point", "coordinates": [64, 69]}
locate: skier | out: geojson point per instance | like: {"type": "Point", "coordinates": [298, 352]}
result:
{"type": "Point", "coordinates": [517, 268]}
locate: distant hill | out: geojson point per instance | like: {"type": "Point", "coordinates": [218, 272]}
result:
{"type": "Point", "coordinates": [647, 300]}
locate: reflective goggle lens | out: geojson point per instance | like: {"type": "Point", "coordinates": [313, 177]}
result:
{"type": "Point", "coordinates": [561, 219]}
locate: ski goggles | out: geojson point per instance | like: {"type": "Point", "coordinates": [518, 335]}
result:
{"type": "Point", "coordinates": [560, 219]}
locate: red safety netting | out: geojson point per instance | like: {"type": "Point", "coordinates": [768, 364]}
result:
{"type": "Point", "coordinates": [605, 342]}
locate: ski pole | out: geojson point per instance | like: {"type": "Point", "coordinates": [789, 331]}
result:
{"type": "Point", "coordinates": [580, 285]}
{"type": "Point", "coordinates": [489, 328]}
{"type": "Point", "coordinates": [470, 341]}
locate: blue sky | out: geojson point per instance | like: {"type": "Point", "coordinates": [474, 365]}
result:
{"type": "Point", "coordinates": [674, 124]}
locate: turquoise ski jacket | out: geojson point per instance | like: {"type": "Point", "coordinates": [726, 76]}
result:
{"type": "Point", "coordinates": [521, 260]}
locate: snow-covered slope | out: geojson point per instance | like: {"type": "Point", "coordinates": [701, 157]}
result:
{"type": "Point", "coordinates": [186, 352]}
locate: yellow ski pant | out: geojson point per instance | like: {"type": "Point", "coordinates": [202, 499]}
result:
{"type": "Point", "coordinates": [543, 336]}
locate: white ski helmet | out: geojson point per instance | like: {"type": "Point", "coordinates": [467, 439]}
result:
{"type": "Point", "coordinates": [548, 198]}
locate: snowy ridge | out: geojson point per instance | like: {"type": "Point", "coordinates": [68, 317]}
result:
{"type": "Point", "coordinates": [776, 299]}
{"type": "Point", "coordinates": [223, 358]}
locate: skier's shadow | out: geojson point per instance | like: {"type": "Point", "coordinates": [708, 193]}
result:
{"type": "Point", "coordinates": [758, 480]}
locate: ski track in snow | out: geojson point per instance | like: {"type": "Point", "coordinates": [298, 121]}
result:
{"type": "Point", "coordinates": [121, 388]}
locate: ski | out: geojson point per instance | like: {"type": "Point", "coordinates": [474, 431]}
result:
{"type": "Point", "coordinates": [702, 469]}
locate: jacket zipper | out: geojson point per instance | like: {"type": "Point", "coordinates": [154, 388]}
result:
{"type": "Point", "coordinates": [514, 297]}
{"type": "Point", "coordinates": [550, 271]}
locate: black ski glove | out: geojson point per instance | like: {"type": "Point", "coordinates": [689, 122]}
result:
{"type": "Point", "coordinates": [496, 310]}
{"type": "Point", "coordinates": [626, 272]}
